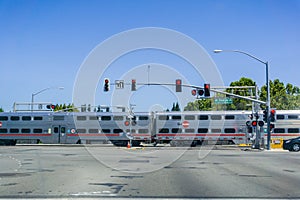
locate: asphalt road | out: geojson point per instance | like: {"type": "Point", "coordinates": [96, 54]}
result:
{"type": "Point", "coordinates": [59, 172]}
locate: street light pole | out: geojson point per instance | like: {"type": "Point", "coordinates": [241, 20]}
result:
{"type": "Point", "coordinates": [268, 90]}
{"type": "Point", "coordinates": [43, 90]}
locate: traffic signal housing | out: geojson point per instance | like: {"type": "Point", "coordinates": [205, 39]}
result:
{"type": "Point", "coordinates": [265, 115]}
{"type": "Point", "coordinates": [272, 115]}
{"type": "Point", "coordinates": [207, 90]}
{"type": "Point", "coordinates": [178, 85]}
{"type": "Point", "coordinates": [133, 85]}
{"type": "Point", "coordinates": [106, 85]}
{"type": "Point", "coordinates": [51, 106]}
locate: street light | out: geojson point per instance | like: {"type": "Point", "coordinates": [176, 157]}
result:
{"type": "Point", "coordinates": [43, 90]}
{"type": "Point", "coordinates": [268, 89]}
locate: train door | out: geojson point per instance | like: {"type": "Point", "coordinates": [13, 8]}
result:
{"type": "Point", "coordinates": [60, 135]}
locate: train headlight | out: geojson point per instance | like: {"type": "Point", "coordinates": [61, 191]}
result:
{"type": "Point", "coordinates": [288, 141]}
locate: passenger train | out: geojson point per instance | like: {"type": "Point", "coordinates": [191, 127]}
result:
{"type": "Point", "coordinates": [176, 128]}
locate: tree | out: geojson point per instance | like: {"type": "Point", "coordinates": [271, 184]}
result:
{"type": "Point", "coordinates": [1, 110]}
{"type": "Point", "coordinates": [241, 104]}
{"type": "Point", "coordinates": [175, 107]}
{"type": "Point", "coordinates": [199, 104]}
{"type": "Point", "coordinates": [282, 97]}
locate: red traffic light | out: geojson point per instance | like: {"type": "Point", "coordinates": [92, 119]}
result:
{"type": "Point", "coordinates": [133, 85]}
{"type": "Point", "coordinates": [106, 85]}
{"type": "Point", "coordinates": [194, 92]}
{"type": "Point", "coordinates": [178, 85]}
{"type": "Point", "coordinates": [53, 107]}
{"type": "Point", "coordinates": [254, 123]}
{"type": "Point", "coordinates": [207, 90]}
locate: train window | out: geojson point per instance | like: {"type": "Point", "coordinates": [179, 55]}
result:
{"type": "Point", "coordinates": [55, 130]}
{"type": "Point", "coordinates": [14, 118]}
{"type": "Point", "coordinates": [143, 130]}
{"type": "Point", "coordinates": [63, 129]}
{"type": "Point", "coordinates": [25, 130]}
{"type": "Point", "coordinates": [105, 131]}
{"type": "Point", "coordinates": [203, 117]}
{"type": "Point", "coordinates": [216, 117]}
{"type": "Point", "coordinates": [202, 130]}
{"type": "Point", "coordinates": [3, 118]}
{"type": "Point", "coordinates": [190, 130]}
{"type": "Point", "coordinates": [37, 118]}
{"type": "Point", "coordinates": [292, 116]}
{"type": "Point", "coordinates": [81, 118]}
{"type": "Point", "coordinates": [293, 130]}
{"type": "Point", "coordinates": [3, 130]}
{"type": "Point", "coordinates": [37, 130]}
{"type": "Point", "coordinates": [164, 130]}
{"type": "Point", "coordinates": [189, 117]}
{"type": "Point", "coordinates": [229, 117]}
{"type": "Point", "coordinates": [216, 130]}
{"type": "Point", "coordinates": [130, 131]}
{"type": "Point", "coordinates": [176, 117]}
{"type": "Point", "coordinates": [229, 130]}
{"type": "Point", "coordinates": [26, 118]}
{"type": "Point", "coordinates": [81, 130]}
{"type": "Point", "coordinates": [14, 130]}
{"type": "Point", "coordinates": [279, 116]}
{"type": "Point", "coordinates": [163, 117]}
{"type": "Point", "coordinates": [118, 131]}
{"type": "Point", "coordinates": [279, 130]}
{"type": "Point", "coordinates": [118, 118]}
{"type": "Point", "coordinates": [93, 118]}
{"type": "Point", "coordinates": [105, 118]}
{"type": "Point", "coordinates": [93, 130]}
{"type": "Point", "coordinates": [176, 130]}
{"type": "Point", "coordinates": [59, 118]}
{"type": "Point", "coordinates": [143, 118]}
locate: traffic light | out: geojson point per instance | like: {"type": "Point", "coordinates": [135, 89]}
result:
{"type": "Point", "coordinates": [106, 85]}
{"type": "Point", "coordinates": [194, 92]}
{"type": "Point", "coordinates": [207, 90]}
{"type": "Point", "coordinates": [272, 125]}
{"type": "Point", "coordinates": [178, 85]}
{"type": "Point", "coordinates": [50, 106]}
{"type": "Point", "coordinates": [272, 115]}
{"type": "Point", "coordinates": [254, 123]}
{"type": "Point", "coordinates": [200, 92]}
{"type": "Point", "coordinates": [265, 117]}
{"type": "Point", "coordinates": [133, 85]}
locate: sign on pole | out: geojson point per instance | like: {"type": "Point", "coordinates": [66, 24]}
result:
{"type": "Point", "coordinates": [119, 84]}
{"type": "Point", "coordinates": [223, 101]}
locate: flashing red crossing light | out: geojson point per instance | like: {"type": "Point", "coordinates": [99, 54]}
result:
{"type": "Point", "coordinates": [254, 123]}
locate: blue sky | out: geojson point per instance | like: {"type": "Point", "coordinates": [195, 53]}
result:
{"type": "Point", "coordinates": [44, 43]}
